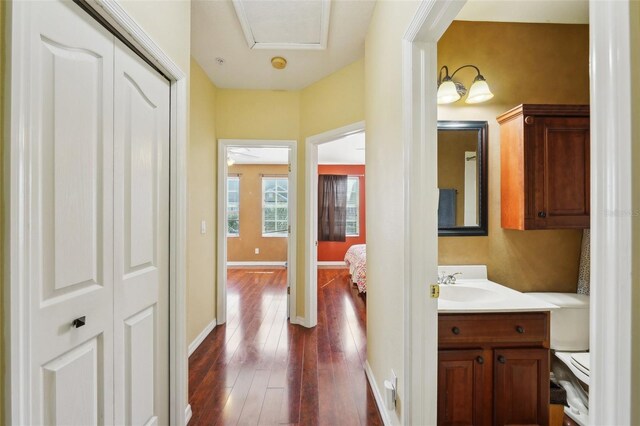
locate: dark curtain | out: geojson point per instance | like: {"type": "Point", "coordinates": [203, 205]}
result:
{"type": "Point", "coordinates": [332, 207]}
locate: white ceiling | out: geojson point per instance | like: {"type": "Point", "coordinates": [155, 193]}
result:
{"type": "Point", "coordinates": [534, 11]}
{"type": "Point", "coordinates": [346, 150]}
{"type": "Point", "coordinates": [216, 32]}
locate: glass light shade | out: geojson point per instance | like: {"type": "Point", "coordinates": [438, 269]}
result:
{"type": "Point", "coordinates": [479, 92]}
{"type": "Point", "coordinates": [447, 92]}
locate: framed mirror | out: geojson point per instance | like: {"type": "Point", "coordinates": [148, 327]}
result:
{"type": "Point", "coordinates": [462, 178]}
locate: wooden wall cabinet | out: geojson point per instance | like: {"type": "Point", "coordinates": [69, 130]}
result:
{"type": "Point", "coordinates": [493, 369]}
{"type": "Point", "coordinates": [544, 159]}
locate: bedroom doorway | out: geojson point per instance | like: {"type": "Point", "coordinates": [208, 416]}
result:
{"type": "Point", "coordinates": [339, 152]}
{"type": "Point", "coordinates": [256, 213]}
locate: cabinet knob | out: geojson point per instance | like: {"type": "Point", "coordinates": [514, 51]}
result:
{"type": "Point", "coordinates": [480, 360]}
{"type": "Point", "coordinates": [542, 214]}
{"type": "Point", "coordinates": [79, 322]}
{"type": "Point", "coordinates": [501, 359]}
{"type": "Point", "coordinates": [455, 330]}
{"type": "Point", "coordinates": [528, 119]}
{"type": "Point", "coordinates": [520, 329]}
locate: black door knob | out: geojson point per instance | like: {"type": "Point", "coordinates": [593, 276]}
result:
{"type": "Point", "coordinates": [501, 359]}
{"type": "Point", "coordinates": [455, 330]}
{"type": "Point", "coordinates": [520, 329]}
{"type": "Point", "coordinates": [480, 360]}
{"type": "Point", "coordinates": [79, 322]}
{"type": "Point", "coordinates": [542, 214]}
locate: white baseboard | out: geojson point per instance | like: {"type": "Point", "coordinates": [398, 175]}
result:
{"type": "Point", "coordinates": [300, 321]}
{"type": "Point", "coordinates": [187, 414]}
{"type": "Point", "coordinates": [200, 338]}
{"type": "Point", "coordinates": [386, 419]}
{"type": "Point", "coordinates": [256, 264]}
{"type": "Point", "coordinates": [332, 264]}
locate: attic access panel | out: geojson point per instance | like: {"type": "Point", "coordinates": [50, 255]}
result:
{"type": "Point", "coordinates": [284, 24]}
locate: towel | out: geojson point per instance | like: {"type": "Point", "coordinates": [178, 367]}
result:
{"type": "Point", "coordinates": [447, 208]}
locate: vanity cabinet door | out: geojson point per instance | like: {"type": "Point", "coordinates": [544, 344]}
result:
{"type": "Point", "coordinates": [464, 387]}
{"type": "Point", "coordinates": [521, 386]}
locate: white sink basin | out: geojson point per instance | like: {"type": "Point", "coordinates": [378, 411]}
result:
{"type": "Point", "coordinates": [463, 293]}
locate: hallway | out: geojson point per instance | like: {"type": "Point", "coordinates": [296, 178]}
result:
{"type": "Point", "coordinates": [258, 369]}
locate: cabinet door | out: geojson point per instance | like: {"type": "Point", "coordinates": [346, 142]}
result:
{"type": "Point", "coordinates": [464, 387]}
{"type": "Point", "coordinates": [521, 387]}
{"type": "Point", "coordinates": [562, 180]}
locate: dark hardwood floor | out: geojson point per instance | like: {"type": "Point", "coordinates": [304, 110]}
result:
{"type": "Point", "coordinates": [259, 369]}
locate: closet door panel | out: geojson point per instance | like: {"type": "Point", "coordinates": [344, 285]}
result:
{"type": "Point", "coordinates": [67, 179]}
{"type": "Point", "coordinates": [141, 198]}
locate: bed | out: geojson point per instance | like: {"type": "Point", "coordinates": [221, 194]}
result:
{"type": "Point", "coordinates": [356, 260]}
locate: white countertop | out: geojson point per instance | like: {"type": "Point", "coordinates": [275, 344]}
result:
{"type": "Point", "coordinates": [468, 296]}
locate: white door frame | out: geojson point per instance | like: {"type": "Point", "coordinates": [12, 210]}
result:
{"type": "Point", "coordinates": [311, 201]}
{"type": "Point", "coordinates": [221, 291]}
{"type": "Point", "coordinates": [612, 330]}
{"type": "Point", "coordinates": [16, 293]}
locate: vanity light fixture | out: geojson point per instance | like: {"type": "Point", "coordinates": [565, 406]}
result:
{"type": "Point", "coordinates": [450, 91]}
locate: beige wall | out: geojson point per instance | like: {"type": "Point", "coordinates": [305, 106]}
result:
{"type": "Point", "coordinates": [452, 146]}
{"type": "Point", "coordinates": [3, 63]}
{"type": "Point", "coordinates": [523, 63]}
{"type": "Point", "coordinates": [385, 202]}
{"type": "Point", "coordinates": [168, 23]}
{"type": "Point", "coordinates": [242, 248]}
{"type": "Point", "coordinates": [635, 112]}
{"type": "Point", "coordinates": [201, 248]}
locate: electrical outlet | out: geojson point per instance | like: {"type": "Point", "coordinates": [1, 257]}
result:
{"type": "Point", "coordinates": [203, 227]}
{"type": "Point", "coordinates": [257, 250]}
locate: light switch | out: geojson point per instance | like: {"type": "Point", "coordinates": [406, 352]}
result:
{"type": "Point", "coordinates": [257, 250]}
{"type": "Point", "coordinates": [203, 227]}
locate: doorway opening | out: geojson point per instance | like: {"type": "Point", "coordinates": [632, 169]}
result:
{"type": "Point", "coordinates": [256, 219]}
{"type": "Point", "coordinates": [338, 152]}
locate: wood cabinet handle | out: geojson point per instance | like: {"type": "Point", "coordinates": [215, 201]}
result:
{"type": "Point", "coordinates": [528, 119]}
{"type": "Point", "coordinates": [480, 360]}
{"type": "Point", "coordinates": [520, 329]}
{"type": "Point", "coordinates": [501, 359]}
{"type": "Point", "coordinates": [455, 330]}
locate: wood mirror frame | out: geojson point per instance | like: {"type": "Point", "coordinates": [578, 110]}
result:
{"type": "Point", "coordinates": [482, 229]}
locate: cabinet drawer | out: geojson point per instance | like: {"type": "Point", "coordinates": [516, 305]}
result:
{"type": "Point", "coordinates": [515, 329]}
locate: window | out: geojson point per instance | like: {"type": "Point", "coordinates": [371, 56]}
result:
{"type": "Point", "coordinates": [275, 206]}
{"type": "Point", "coordinates": [233, 206]}
{"type": "Point", "coordinates": [353, 206]}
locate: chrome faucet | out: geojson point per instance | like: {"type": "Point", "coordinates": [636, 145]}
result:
{"type": "Point", "coordinates": [448, 279]}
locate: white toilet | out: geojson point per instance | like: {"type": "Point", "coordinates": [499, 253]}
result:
{"type": "Point", "coordinates": [570, 349]}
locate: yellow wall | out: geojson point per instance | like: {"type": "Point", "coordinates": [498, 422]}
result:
{"type": "Point", "coordinates": [168, 23]}
{"type": "Point", "coordinates": [3, 62]}
{"type": "Point", "coordinates": [385, 200]}
{"type": "Point", "coordinates": [242, 248]}
{"type": "Point", "coordinates": [202, 176]}
{"type": "Point", "coordinates": [523, 63]}
{"type": "Point", "coordinates": [635, 111]}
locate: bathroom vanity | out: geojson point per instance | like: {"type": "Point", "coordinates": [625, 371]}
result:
{"type": "Point", "coordinates": [493, 353]}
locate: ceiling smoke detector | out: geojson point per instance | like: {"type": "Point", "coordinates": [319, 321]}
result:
{"type": "Point", "coordinates": [278, 62]}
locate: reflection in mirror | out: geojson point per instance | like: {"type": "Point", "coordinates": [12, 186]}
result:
{"type": "Point", "coordinates": [462, 178]}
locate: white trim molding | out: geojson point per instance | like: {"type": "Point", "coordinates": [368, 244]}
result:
{"type": "Point", "coordinates": [200, 337]}
{"type": "Point", "coordinates": [332, 264]}
{"type": "Point", "coordinates": [281, 264]}
{"type": "Point", "coordinates": [223, 171]}
{"type": "Point", "coordinates": [16, 312]}
{"type": "Point", "coordinates": [377, 395]}
{"type": "Point", "coordinates": [611, 397]}
{"type": "Point", "coordinates": [311, 205]}
{"type": "Point", "coordinates": [188, 413]}
{"type": "Point", "coordinates": [419, 56]}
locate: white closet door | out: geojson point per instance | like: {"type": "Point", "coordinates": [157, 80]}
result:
{"type": "Point", "coordinates": [141, 224]}
{"type": "Point", "coordinates": [67, 178]}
